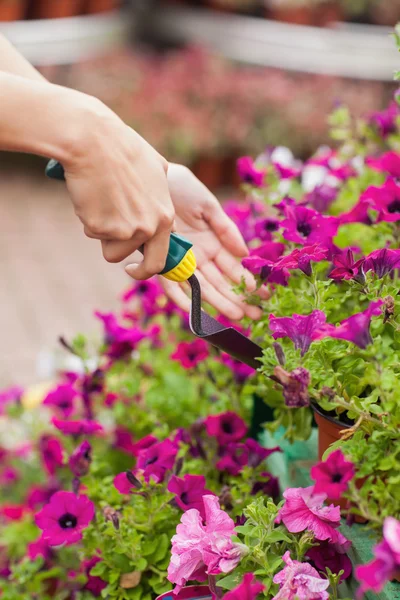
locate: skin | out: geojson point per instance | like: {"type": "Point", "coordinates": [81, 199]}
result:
{"type": "Point", "coordinates": [123, 191]}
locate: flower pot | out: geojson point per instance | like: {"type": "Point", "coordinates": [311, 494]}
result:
{"type": "Point", "coordinates": [56, 9]}
{"type": "Point", "coordinates": [192, 592]}
{"type": "Point", "coordinates": [210, 170]}
{"type": "Point", "coordinates": [100, 6]}
{"type": "Point", "coordinates": [327, 13]}
{"type": "Point", "coordinates": [302, 15]}
{"type": "Point", "coordinates": [12, 10]}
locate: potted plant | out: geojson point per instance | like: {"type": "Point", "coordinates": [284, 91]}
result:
{"type": "Point", "coordinates": [12, 10]}
{"type": "Point", "coordinates": [48, 9]}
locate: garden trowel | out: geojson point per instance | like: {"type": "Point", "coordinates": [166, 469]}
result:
{"type": "Point", "coordinates": [180, 266]}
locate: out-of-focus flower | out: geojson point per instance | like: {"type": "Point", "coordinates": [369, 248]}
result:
{"type": "Point", "coordinates": [51, 452]}
{"type": "Point", "coordinates": [62, 398]}
{"type": "Point", "coordinates": [189, 492]}
{"type": "Point", "coordinates": [385, 200]}
{"type": "Point", "coordinates": [332, 556]}
{"type": "Point", "coordinates": [332, 475]}
{"type": "Point", "coordinates": [300, 580]}
{"type": "Point", "coordinates": [234, 457]}
{"type": "Point", "coordinates": [77, 428]}
{"type": "Point", "coordinates": [240, 371]}
{"type": "Point", "coordinates": [11, 395]}
{"type": "Point", "coordinates": [249, 173]}
{"type": "Point", "coordinates": [385, 120]}
{"type": "Point", "coordinates": [387, 163]}
{"type": "Point", "coordinates": [190, 354]}
{"type": "Point", "coordinates": [156, 460]}
{"type": "Point", "coordinates": [120, 341]}
{"type": "Point", "coordinates": [249, 589]}
{"type": "Point", "coordinates": [80, 459]}
{"type": "Point", "coordinates": [64, 518]}
{"type": "Point", "coordinates": [95, 585]}
{"type": "Point", "coordinates": [226, 427]}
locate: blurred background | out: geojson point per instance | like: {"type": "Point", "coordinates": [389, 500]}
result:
{"type": "Point", "coordinates": [205, 82]}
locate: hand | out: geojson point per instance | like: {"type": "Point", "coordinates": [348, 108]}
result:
{"type": "Point", "coordinates": [118, 185]}
{"type": "Point", "coordinates": [218, 247]}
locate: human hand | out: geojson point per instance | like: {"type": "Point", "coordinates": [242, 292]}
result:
{"type": "Point", "coordinates": [118, 186]}
{"type": "Point", "coordinates": [217, 244]}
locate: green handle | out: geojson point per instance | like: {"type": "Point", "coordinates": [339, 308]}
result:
{"type": "Point", "coordinates": [178, 245]}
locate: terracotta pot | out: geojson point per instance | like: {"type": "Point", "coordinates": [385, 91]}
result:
{"type": "Point", "coordinates": [12, 10]}
{"type": "Point", "coordinates": [192, 592]}
{"type": "Point", "coordinates": [101, 6]}
{"type": "Point", "coordinates": [303, 15]}
{"type": "Point", "coordinates": [56, 9]}
{"type": "Point", "coordinates": [327, 13]}
{"type": "Point", "coordinates": [210, 171]}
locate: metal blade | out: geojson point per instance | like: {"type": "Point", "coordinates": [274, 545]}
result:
{"type": "Point", "coordinates": [227, 339]}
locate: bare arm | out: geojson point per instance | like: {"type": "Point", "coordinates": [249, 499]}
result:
{"type": "Point", "coordinates": [11, 61]}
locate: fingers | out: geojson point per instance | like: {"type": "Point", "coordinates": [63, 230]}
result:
{"type": "Point", "coordinates": [155, 253]}
{"type": "Point", "coordinates": [175, 293]}
{"type": "Point", "coordinates": [232, 268]}
{"type": "Point", "coordinates": [225, 229]}
{"type": "Point", "coordinates": [220, 302]}
{"type": "Point", "coordinates": [115, 250]}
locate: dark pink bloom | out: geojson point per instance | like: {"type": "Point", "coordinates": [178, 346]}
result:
{"type": "Point", "coordinates": [300, 581]}
{"type": "Point", "coordinates": [190, 354]}
{"type": "Point", "coordinates": [286, 172]}
{"type": "Point", "coordinates": [249, 589]}
{"type": "Point", "coordinates": [386, 564]}
{"type": "Point", "coordinates": [306, 226]}
{"type": "Point", "coordinates": [265, 227]}
{"type": "Point", "coordinates": [382, 262]}
{"type": "Point", "coordinates": [295, 386]}
{"type": "Point", "coordinates": [244, 215]}
{"type": "Point", "coordinates": [387, 163]}
{"type": "Point", "coordinates": [332, 556]}
{"type": "Point", "coordinates": [120, 341]}
{"type": "Point", "coordinates": [298, 328]}
{"type": "Point", "coordinates": [11, 395]}
{"type": "Point", "coordinates": [385, 120]}
{"type": "Point", "coordinates": [257, 453]}
{"type": "Point", "coordinates": [355, 329]}
{"type": "Point", "coordinates": [234, 457]}
{"type": "Point", "coordinates": [333, 475]}
{"type": "Point", "coordinates": [321, 197]}
{"type": "Point", "coordinates": [268, 485]}
{"type": "Point", "coordinates": [126, 482]}
{"type": "Point", "coordinates": [305, 511]}
{"type": "Point", "coordinates": [385, 200]}
{"type": "Point", "coordinates": [249, 173]}
{"type": "Point", "coordinates": [267, 270]}
{"type": "Point", "coordinates": [9, 475]}
{"type": "Point", "coordinates": [270, 250]}
{"type": "Point", "coordinates": [38, 496]}
{"type": "Point", "coordinates": [80, 459]}
{"type": "Point", "coordinates": [62, 398]}
{"type": "Point", "coordinates": [77, 428]}
{"type": "Point", "coordinates": [240, 371]}
{"type": "Point", "coordinates": [301, 259]}
{"type": "Point", "coordinates": [123, 440]}
{"type": "Point", "coordinates": [64, 518]}
{"type": "Point", "coordinates": [345, 266]}
{"type": "Point", "coordinates": [51, 452]}
{"type": "Point", "coordinates": [95, 585]}
{"type": "Point", "coordinates": [156, 460]}
{"type": "Point", "coordinates": [189, 492]}
{"type": "Point", "coordinates": [147, 292]}
{"type": "Point", "coordinates": [358, 214]}
{"type": "Point", "coordinates": [226, 427]}
{"type": "Point", "coordinates": [13, 512]}
{"type": "Point", "coordinates": [40, 547]}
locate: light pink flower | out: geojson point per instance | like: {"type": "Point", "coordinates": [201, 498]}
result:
{"type": "Point", "coordinates": [300, 581]}
{"type": "Point", "coordinates": [199, 549]}
{"type": "Point", "coordinates": [304, 510]}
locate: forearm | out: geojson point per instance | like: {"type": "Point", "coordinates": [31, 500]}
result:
{"type": "Point", "coordinates": [11, 61]}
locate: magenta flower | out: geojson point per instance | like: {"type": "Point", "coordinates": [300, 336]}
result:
{"type": "Point", "coordinates": [11, 395]}
{"type": "Point", "coordinates": [39, 547]}
{"type": "Point", "coordinates": [321, 197]}
{"type": "Point", "coordinates": [265, 227]}
{"type": "Point", "coordinates": [387, 163]}
{"type": "Point", "coordinates": [354, 329]}
{"type": "Point", "coordinates": [306, 226]}
{"type": "Point", "coordinates": [385, 200]}
{"type": "Point", "coordinates": [386, 564]}
{"type": "Point", "coordinates": [189, 492]}
{"type": "Point", "coordinates": [298, 328]}
{"type": "Point", "coordinates": [301, 259]}
{"type": "Point", "coordinates": [62, 398]}
{"type": "Point", "coordinates": [332, 556]}
{"type": "Point", "coordinates": [305, 511]}
{"type": "Point", "coordinates": [360, 213]}
{"type": "Point", "coordinates": [244, 215]}
{"type": "Point", "coordinates": [38, 496]}
{"type": "Point", "coordinates": [64, 518]}
{"type": "Point", "coordinates": [226, 427]}
{"type": "Point", "coordinates": [300, 581]}
{"type": "Point", "coordinates": [199, 549]}
{"type": "Point", "coordinates": [269, 250]}
{"type": "Point", "coordinates": [249, 589]}
{"type": "Point", "coordinates": [268, 486]}
{"type": "Point", "coordinates": [333, 475]}
{"type": "Point", "coordinates": [126, 482]}
{"type": "Point", "coordinates": [257, 453]}
{"type": "Point", "coordinates": [120, 341]}
{"type": "Point", "coordinates": [123, 440]}
{"type": "Point", "coordinates": [95, 585]}
{"type": "Point", "coordinates": [77, 428]}
{"type": "Point", "coordinates": [385, 120]}
{"type": "Point", "coordinates": [268, 271]}
{"type": "Point", "coordinates": [190, 354]}
{"type": "Point", "coordinates": [345, 266]}
{"type": "Point", "coordinates": [51, 452]}
{"type": "Point", "coordinates": [80, 459]}
{"type": "Point", "coordinates": [240, 371]}
{"type": "Point", "coordinates": [295, 386]}
{"type": "Point", "coordinates": [147, 292]}
{"type": "Point", "coordinates": [382, 262]}
{"type": "Point", "coordinates": [249, 173]}
{"type": "Point", "coordinates": [156, 460]}
{"type": "Point", "coordinates": [234, 457]}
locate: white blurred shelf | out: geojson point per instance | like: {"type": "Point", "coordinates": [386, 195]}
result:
{"type": "Point", "coordinates": [65, 41]}
{"type": "Point", "coordinates": [357, 51]}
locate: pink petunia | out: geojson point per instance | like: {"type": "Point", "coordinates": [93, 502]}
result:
{"type": "Point", "coordinates": [77, 428]}
{"type": "Point", "coordinates": [300, 581]}
{"type": "Point", "coordinates": [385, 200]}
{"type": "Point", "coordinates": [298, 328]}
{"type": "Point", "coordinates": [63, 519]}
{"type": "Point", "coordinates": [80, 459]}
{"type": "Point", "coordinates": [389, 163]}
{"type": "Point", "coordinates": [306, 226]}
{"type": "Point", "coordinates": [302, 258]}
{"type": "Point", "coordinates": [248, 589]}
{"type": "Point", "coordinates": [249, 173]}
{"type": "Point", "coordinates": [95, 585]}
{"type": "Point", "coordinates": [51, 452]}
{"type": "Point", "coordinates": [234, 457]}
{"type": "Point", "coordinates": [331, 556]}
{"type": "Point", "coordinates": [62, 398]}
{"type": "Point", "coordinates": [189, 492]}
{"type": "Point", "coordinates": [305, 511]}
{"type": "Point", "coordinates": [345, 266]}
{"type": "Point", "coordinates": [226, 427]}
{"type": "Point", "coordinates": [381, 262]}
{"type": "Point", "coordinates": [156, 460]}
{"type": "Point", "coordinates": [332, 476]}
{"type": "Point", "coordinates": [190, 354]}
{"type": "Point", "coordinates": [199, 549]}
{"type": "Point", "coordinates": [39, 547]}
{"type": "Point", "coordinates": [240, 371]}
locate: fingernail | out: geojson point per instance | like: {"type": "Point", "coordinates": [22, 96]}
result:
{"type": "Point", "coordinates": [130, 269]}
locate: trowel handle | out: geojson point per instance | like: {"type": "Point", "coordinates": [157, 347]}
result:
{"type": "Point", "coordinates": [180, 263]}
